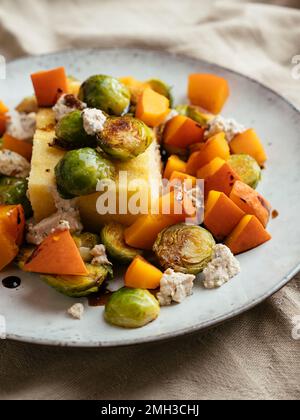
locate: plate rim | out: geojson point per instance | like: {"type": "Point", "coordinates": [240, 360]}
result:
{"type": "Point", "coordinates": [202, 326]}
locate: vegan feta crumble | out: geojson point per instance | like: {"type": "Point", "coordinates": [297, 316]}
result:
{"type": "Point", "coordinates": [22, 126]}
{"type": "Point", "coordinates": [93, 121]}
{"type": "Point", "coordinates": [13, 164]}
{"type": "Point", "coordinates": [99, 254]}
{"type": "Point", "coordinates": [223, 267]}
{"type": "Point", "coordinates": [67, 217]}
{"type": "Point", "coordinates": [175, 287]}
{"type": "Point", "coordinates": [227, 125]}
{"type": "Point", "coordinates": [76, 311]}
{"type": "Point", "coordinates": [66, 104]}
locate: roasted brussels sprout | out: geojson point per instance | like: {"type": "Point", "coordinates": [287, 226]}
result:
{"type": "Point", "coordinates": [105, 93]}
{"type": "Point", "coordinates": [195, 114]}
{"type": "Point", "coordinates": [79, 171]}
{"type": "Point", "coordinates": [131, 308]}
{"type": "Point", "coordinates": [184, 248]}
{"type": "Point", "coordinates": [112, 236]}
{"type": "Point", "coordinates": [85, 242]}
{"type": "Point", "coordinates": [162, 88]}
{"type": "Point", "coordinates": [247, 168]}
{"type": "Point", "coordinates": [13, 191]}
{"type": "Point", "coordinates": [81, 286]}
{"type": "Point", "coordinates": [70, 133]}
{"type": "Point", "coordinates": [125, 138]}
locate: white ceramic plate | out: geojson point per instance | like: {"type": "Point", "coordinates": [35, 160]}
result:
{"type": "Point", "coordinates": [36, 313]}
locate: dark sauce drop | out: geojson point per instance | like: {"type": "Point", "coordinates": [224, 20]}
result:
{"type": "Point", "coordinates": [11, 282]}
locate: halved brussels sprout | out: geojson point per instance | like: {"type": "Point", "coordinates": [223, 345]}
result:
{"type": "Point", "coordinates": [112, 237]}
{"type": "Point", "coordinates": [13, 191]}
{"type": "Point", "coordinates": [105, 93]}
{"type": "Point", "coordinates": [162, 88]}
{"type": "Point", "coordinates": [131, 308]}
{"type": "Point", "coordinates": [184, 248]}
{"type": "Point", "coordinates": [80, 286]}
{"type": "Point", "coordinates": [247, 168]}
{"type": "Point", "coordinates": [24, 255]}
{"type": "Point", "coordinates": [125, 138]}
{"type": "Point", "coordinates": [85, 242]}
{"type": "Point", "coordinates": [195, 114]}
{"type": "Point", "coordinates": [79, 171]}
{"type": "Point", "coordinates": [70, 133]}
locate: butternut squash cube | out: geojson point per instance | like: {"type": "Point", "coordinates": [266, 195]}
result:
{"type": "Point", "coordinates": [142, 275]}
{"type": "Point", "coordinates": [248, 143]}
{"type": "Point", "coordinates": [152, 108]}
{"type": "Point", "coordinates": [182, 131]}
{"type": "Point", "coordinates": [221, 215]}
{"type": "Point", "coordinates": [208, 91]}
{"type": "Point", "coordinates": [251, 202]}
{"type": "Point", "coordinates": [174, 164]}
{"type": "Point", "coordinates": [216, 146]}
{"type": "Point", "coordinates": [249, 234]}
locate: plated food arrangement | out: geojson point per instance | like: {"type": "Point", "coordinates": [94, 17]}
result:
{"type": "Point", "coordinates": [60, 145]}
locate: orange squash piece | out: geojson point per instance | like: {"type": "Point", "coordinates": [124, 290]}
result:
{"type": "Point", "coordinates": [248, 143]}
{"type": "Point", "coordinates": [221, 215]}
{"type": "Point", "coordinates": [3, 108]}
{"type": "Point", "coordinates": [3, 122]}
{"type": "Point", "coordinates": [21, 147]}
{"type": "Point", "coordinates": [49, 85]}
{"type": "Point", "coordinates": [136, 87]}
{"type": "Point", "coordinates": [208, 91]}
{"type": "Point", "coordinates": [142, 275]}
{"type": "Point", "coordinates": [174, 164]}
{"type": "Point", "coordinates": [251, 202]}
{"type": "Point", "coordinates": [216, 146]}
{"type": "Point", "coordinates": [218, 176]}
{"type": "Point", "coordinates": [57, 254]}
{"type": "Point", "coordinates": [249, 234]}
{"type": "Point", "coordinates": [152, 108]}
{"type": "Point", "coordinates": [12, 224]}
{"type": "Point", "coordinates": [179, 209]}
{"type": "Point", "coordinates": [143, 233]}
{"type": "Point", "coordinates": [182, 131]}
{"type": "Point", "coordinates": [196, 147]}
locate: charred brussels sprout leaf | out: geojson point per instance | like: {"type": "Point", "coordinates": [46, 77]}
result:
{"type": "Point", "coordinates": [184, 248]}
{"type": "Point", "coordinates": [105, 93]}
{"type": "Point", "coordinates": [24, 255]}
{"type": "Point", "coordinates": [125, 138]}
{"type": "Point", "coordinates": [70, 133]}
{"type": "Point", "coordinates": [80, 286]}
{"type": "Point", "coordinates": [112, 236]}
{"type": "Point", "coordinates": [195, 114]}
{"type": "Point", "coordinates": [85, 242]}
{"type": "Point", "coordinates": [131, 308]}
{"type": "Point", "coordinates": [79, 171]}
{"type": "Point", "coordinates": [162, 88]}
{"type": "Point", "coordinates": [13, 191]}
{"type": "Point", "coordinates": [247, 168]}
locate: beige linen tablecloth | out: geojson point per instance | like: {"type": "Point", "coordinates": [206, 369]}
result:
{"type": "Point", "coordinates": [253, 356]}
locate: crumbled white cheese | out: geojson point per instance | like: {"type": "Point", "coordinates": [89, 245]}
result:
{"type": "Point", "coordinates": [22, 126]}
{"type": "Point", "coordinates": [223, 267]}
{"type": "Point", "coordinates": [67, 104]}
{"type": "Point", "coordinates": [227, 125]}
{"type": "Point", "coordinates": [93, 121]}
{"type": "Point", "coordinates": [175, 287]}
{"type": "Point", "coordinates": [66, 217]}
{"type": "Point", "coordinates": [13, 164]}
{"type": "Point", "coordinates": [76, 311]}
{"type": "Point", "coordinates": [99, 254]}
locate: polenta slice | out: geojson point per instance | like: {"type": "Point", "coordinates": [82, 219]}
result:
{"type": "Point", "coordinates": [143, 176]}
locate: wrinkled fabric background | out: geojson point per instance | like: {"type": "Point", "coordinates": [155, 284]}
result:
{"type": "Point", "coordinates": [251, 357]}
